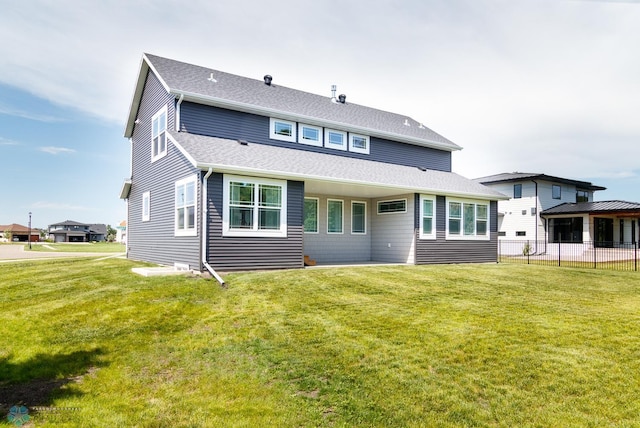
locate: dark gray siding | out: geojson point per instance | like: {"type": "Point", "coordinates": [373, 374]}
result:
{"type": "Point", "coordinates": [441, 250]}
{"type": "Point", "coordinates": [240, 253]}
{"type": "Point", "coordinates": [155, 240]}
{"type": "Point", "coordinates": [217, 122]}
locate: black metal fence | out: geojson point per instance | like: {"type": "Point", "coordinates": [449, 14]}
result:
{"type": "Point", "coordinates": [588, 254]}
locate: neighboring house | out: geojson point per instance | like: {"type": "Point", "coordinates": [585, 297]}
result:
{"type": "Point", "coordinates": [233, 173]}
{"type": "Point", "coordinates": [73, 231]}
{"type": "Point", "coordinates": [19, 233]}
{"type": "Point", "coordinates": [554, 209]}
{"type": "Point", "coordinates": [121, 232]}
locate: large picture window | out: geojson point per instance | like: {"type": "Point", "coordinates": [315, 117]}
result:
{"type": "Point", "coordinates": [427, 217]}
{"type": "Point", "coordinates": [185, 206]}
{"type": "Point", "coordinates": [467, 220]}
{"type": "Point", "coordinates": [568, 230]}
{"type": "Point", "coordinates": [310, 215]}
{"type": "Point", "coordinates": [159, 134]}
{"type": "Point", "coordinates": [254, 207]}
{"type": "Point", "coordinates": [335, 220]}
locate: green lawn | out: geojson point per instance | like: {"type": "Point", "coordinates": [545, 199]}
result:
{"type": "Point", "coordinates": [89, 247]}
{"type": "Point", "coordinates": [386, 346]}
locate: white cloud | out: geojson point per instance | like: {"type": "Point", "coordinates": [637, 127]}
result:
{"type": "Point", "coordinates": [7, 142]}
{"type": "Point", "coordinates": [56, 150]}
{"type": "Point", "coordinates": [28, 115]}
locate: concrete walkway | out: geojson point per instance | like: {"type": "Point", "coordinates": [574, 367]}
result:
{"type": "Point", "coordinates": [9, 253]}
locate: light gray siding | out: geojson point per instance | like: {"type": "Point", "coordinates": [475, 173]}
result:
{"type": "Point", "coordinates": [442, 250]}
{"type": "Point", "coordinates": [155, 240]}
{"type": "Point", "coordinates": [248, 253]}
{"type": "Point", "coordinates": [217, 122]}
{"type": "Point", "coordinates": [326, 247]}
{"type": "Point", "coordinates": [393, 237]}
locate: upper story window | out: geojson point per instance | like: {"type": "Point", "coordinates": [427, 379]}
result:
{"type": "Point", "coordinates": [359, 143]}
{"type": "Point", "coordinates": [390, 207]}
{"type": "Point", "coordinates": [335, 139]}
{"type": "Point", "coordinates": [254, 207]}
{"type": "Point", "coordinates": [159, 134]}
{"type": "Point", "coordinates": [582, 196]}
{"type": "Point", "coordinates": [556, 192]}
{"type": "Point", "coordinates": [185, 207]}
{"type": "Point", "coordinates": [311, 135]}
{"type": "Point", "coordinates": [427, 217]}
{"type": "Point", "coordinates": [517, 191]}
{"type": "Point", "coordinates": [282, 130]}
{"type": "Point", "coordinates": [467, 219]}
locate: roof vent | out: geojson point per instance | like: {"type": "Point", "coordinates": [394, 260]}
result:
{"type": "Point", "coordinates": [406, 122]}
{"type": "Point", "coordinates": [243, 142]}
{"type": "Point", "coordinates": [342, 98]}
{"type": "Point", "coordinates": [212, 79]}
{"type": "Point", "coordinates": [421, 168]}
{"type": "Point", "coordinates": [267, 79]}
{"type": "Point", "coordinates": [334, 88]}
{"type": "Point", "coordinates": [422, 126]}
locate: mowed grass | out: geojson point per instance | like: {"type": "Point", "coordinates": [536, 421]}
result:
{"type": "Point", "coordinates": [81, 247]}
{"type": "Point", "coordinates": [384, 346]}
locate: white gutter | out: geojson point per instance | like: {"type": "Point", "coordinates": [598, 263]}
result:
{"type": "Point", "coordinates": [204, 222]}
{"type": "Point", "coordinates": [178, 112]}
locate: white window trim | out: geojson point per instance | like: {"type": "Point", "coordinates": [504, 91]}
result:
{"type": "Point", "coordinates": [162, 154]}
{"type": "Point", "coordinates": [192, 231]}
{"type": "Point", "coordinates": [365, 217]}
{"type": "Point", "coordinates": [146, 206]}
{"type": "Point", "coordinates": [431, 235]}
{"type": "Point", "coordinates": [327, 143]}
{"type": "Point", "coordinates": [226, 229]}
{"type": "Point", "coordinates": [392, 212]}
{"type": "Point", "coordinates": [272, 130]}
{"type": "Point", "coordinates": [317, 231]}
{"type": "Point", "coordinates": [341, 217]}
{"type": "Point", "coordinates": [301, 140]}
{"type": "Point", "coordinates": [354, 149]}
{"type": "Point", "coordinates": [462, 236]}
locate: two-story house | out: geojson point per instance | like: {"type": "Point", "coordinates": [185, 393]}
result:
{"type": "Point", "coordinates": [73, 231]}
{"type": "Point", "coordinates": [233, 173]}
{"type": "Point", "coordinates": [547, 209]}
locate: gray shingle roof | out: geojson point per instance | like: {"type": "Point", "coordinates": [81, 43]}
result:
{"type": "Point", "coordinates": [230, 156]}
{"type": "Point", "coordinates": [595, 207]}
{"type": "Point", "coordinates": [519, 176]}
{"type": "Point", "coordinates": [209, 86]}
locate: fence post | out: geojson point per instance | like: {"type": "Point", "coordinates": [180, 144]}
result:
{"type": "Point", "coordinates": [528, 252]}
{"type": "Point", "coordinates": [559, 243]}
{"type": "Point", "coordinates": [595, 255]}
{"type": "Point", "coordinates": [635, 257]}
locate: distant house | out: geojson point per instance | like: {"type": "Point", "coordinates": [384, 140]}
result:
{"type": "Point", "coordinates": [73, 231]}
{"type": "Point", "coordinates": [234, 173]}
{"type": "Point", "coordinates": [121, 232]}
{"type": "Point", "coordinates": [19, 233]}
{"type": "Point", "coordinates": [554, 209]}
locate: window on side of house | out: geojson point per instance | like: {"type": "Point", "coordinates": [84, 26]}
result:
{"type": "Point", "coordinates": [310, 215]}
{"type": "Point", "coordinates": [254, 207]}
{"type": "Point", "coordinates": [159, 134]}
{"type": "Point", "coordinates": [517, 191]}
{"type": "Point", "coordinates": [567, 230]}
{"type": "Point", "coordinates": [359, 143]}
{"type": "Point", "coordinates": [335, 218]}
{"type": "Point", "coordinates": [358, 218]}
{"type": "Point", "coordinates": [467, 219]}
{"type": "Point", "coordinates": [185, 207]}
{"type": "Point", "coordinates": [392, 207]}
{"type": "Point", "coordinates": [556, 192]}
{"type": "Point", "coordinates": [582, 196]}
{"type": "Point", "coordinates": [335, 139]}
{"type": "Point", "coordinates": [282, 130]}
{"type": "Point", "coordinates": [521, 233]}
{"type": "Point", "coordinates": [427, 217]}
{"type": "Point", "coordinates": [311, 135]}
{"type": "Point", "coordinates": [146, 206]}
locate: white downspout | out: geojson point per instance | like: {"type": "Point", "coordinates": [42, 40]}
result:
{"type": "Point", "coordinates": [178, 112]}
{"type": "Point", "coordinates": [204, 222]}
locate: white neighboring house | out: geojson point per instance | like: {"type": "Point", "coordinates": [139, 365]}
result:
{"type": "Point", "coordinates": [530, 194]}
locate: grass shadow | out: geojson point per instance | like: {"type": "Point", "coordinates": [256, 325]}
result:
{"type": "Point", "coordinates": [42, 378]}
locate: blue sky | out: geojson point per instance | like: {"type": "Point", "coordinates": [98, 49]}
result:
{"type": "Point", "coordinates": [547, 86]}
